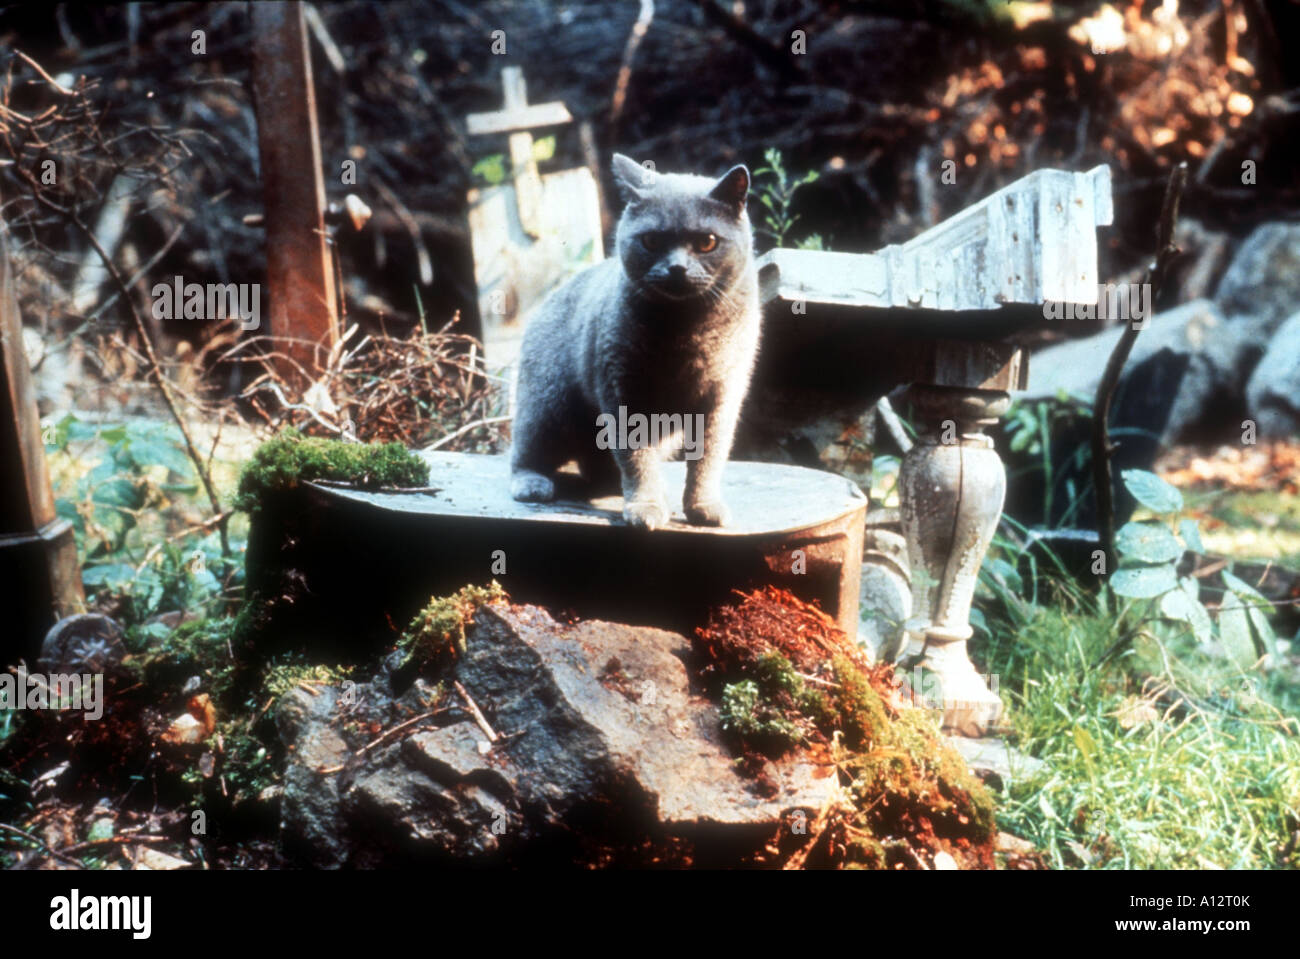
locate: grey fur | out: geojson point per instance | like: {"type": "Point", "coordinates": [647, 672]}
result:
{"type": "Point", "coordinates": [660, 328]}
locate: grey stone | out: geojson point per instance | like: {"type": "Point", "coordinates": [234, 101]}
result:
{"type": "Point", "coordinates": [885, 598]}
{"type": "Point", "coordinates": [995, 761]}
{"type": "Point", "coordinates": [1263, 278]}
{"type": "Point", "coordinates": [1273, 392]}
{"type": "Point", "coordinates": [1203, 354]}
{"type": "Point", "coordinates": [600, 738]}
{"type": "Point", "coordinates": [309, 809]}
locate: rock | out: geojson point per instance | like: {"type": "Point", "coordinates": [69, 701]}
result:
{"type": "Point", "coordinates": [885, 597]}
{"type": "Point", "coordinates": [1273, 392]}
{"type": "Point", "coordinates": [1263, 279]}
{"type": "Point", "coordinates": [85, 643]}
{"type": "Point", "coordinates": [602, 748]}
{"type": "Point", "coordinates": [309, 808]}
{"type": "Point", "coordinates": [943, 862]}
{"type": "Point", "coordinates": [152, 859]}
{"type": "Point", "coordinates": [1183, 367]}
{"type": "Point", "coordinates": [996, 762]}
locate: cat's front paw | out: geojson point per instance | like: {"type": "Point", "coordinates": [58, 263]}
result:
{"type": "Point", "coordinates": [646, 514]}
{"type": "Point", "coordinates": [530, 487]}
{"type": "Point", "coordinates": [714, 513]}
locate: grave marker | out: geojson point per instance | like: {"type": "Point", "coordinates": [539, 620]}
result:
{"type": "Point", "coordinates": [531, 232]}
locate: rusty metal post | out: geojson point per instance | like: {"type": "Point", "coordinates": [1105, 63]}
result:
{"type": "Point", "coordinates": [38, 554]}
{"type": "Point", "coordinates": [302, 309]}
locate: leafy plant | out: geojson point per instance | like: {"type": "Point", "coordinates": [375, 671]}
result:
{"type": "Point", "coordinates": [126, 488]}
{"type": "Point", "coordinates": [777, 195]}
{"type": "Point", "coordinates": [492, 169]}
{"type": "Point", "coordinates": [1149, 554]}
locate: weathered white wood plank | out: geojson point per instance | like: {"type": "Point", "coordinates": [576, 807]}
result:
{"type": "Point", "coordinates": [530, 117]}
{"type": "Point", "coordinates": [1033, 240]}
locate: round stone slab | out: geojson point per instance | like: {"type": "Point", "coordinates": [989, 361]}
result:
{"type": "Point", "coordinates": [764, 498]}
{"type": "Point", "coordinates": [360, 564]}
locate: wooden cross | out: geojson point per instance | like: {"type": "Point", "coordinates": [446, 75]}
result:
{"type": "Point", "coordinates": [517, 119]}
{"type": "Point", "coordinates": [530, 233]}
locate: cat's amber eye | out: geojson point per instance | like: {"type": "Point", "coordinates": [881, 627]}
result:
{"type": "Point", "coordinates": [706, 243]}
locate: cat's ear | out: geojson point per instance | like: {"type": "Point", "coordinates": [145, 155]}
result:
{"type": "Point", "coordinates": [733, 188]}
{"type": "Point", "coordinates": [634, 179]}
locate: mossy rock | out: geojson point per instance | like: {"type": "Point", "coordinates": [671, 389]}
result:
{"type": "Point", "coordinates": [435, 637]}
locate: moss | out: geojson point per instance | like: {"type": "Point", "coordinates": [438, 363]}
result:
{"type": "Point", "coordinates": [291, 458]}
{"type": "Point", "coordinates": [862, 716]}
{"type": "Point", "coordinates": [282, 677]}
{"type": "Point", "coordinates": [750, 716]}
{"type": "Point", "coordinates": [436, 636]}
{"type": "Point", "coordinates": [248, 765]}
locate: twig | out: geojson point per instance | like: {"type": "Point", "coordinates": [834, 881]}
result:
{"type": "Point", "coordinates": [116, 840]}
{"type": "Point", "coordinates": [885, 410]}
{"type": "Point", "coordinates": [1101, 445]}
{"type": "Point", "coordinates": [41, 70]}
{"type": "Point", "coordinates": [639, 30]}
{"type": "Point", "coordinates": [44, 845]}
{"type": "Point", "coordinates": [768, 53]}
{"type": "Point", "coordinates": [476, 712]}
{"type": "Point", "coordinates": [424, 261]}
{"type": "Point", "coordinates": [390, 733]}
{"type": "Point", "coordinates": [164, 385]}
{"type": "Point", "coordinates": [486, 421]}
{"type": "Point", "coordinates": [800, 856]}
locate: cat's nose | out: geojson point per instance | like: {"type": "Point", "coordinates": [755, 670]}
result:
{"type": "Point", "coordinates": [677, 273]}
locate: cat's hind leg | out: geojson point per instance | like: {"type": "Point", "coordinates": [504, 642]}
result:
{"type": "Point", "coordinates": [533, 457]}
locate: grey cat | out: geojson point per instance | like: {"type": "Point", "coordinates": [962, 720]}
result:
{"type": "Point", "coordinates": [668, 326]}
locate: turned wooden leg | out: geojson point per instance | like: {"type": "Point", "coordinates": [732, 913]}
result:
{"type": "Point", "coordinates": [951, 488]}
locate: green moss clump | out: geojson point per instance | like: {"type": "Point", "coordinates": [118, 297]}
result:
{"type": "Point", "coordinates": [282, 677]}
{"type": "Point", "coordinates": [292, 458]}
{"type": "Point", "coordinates": [751, 716]}
{"type": "Point", "coordinates": [861, 715]}
{"type": "Point", "coordinates": [436, 636]}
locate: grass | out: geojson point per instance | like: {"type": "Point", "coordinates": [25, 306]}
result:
{"type": "Point", "coordinates": [1158, 758]}
{"type": "Point", "coordinates": [1262, 524]}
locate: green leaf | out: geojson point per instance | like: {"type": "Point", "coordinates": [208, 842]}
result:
{"type": "Point", "coordinates": [1257, 608]}
{"type": "Point", "coordinates": [107, 574]}
{"type": "Point", "coordinates": [1234, 633]}
{"type": "Point", "coordinates": [1245, 591]}
{"type": "Point", "coordinates": [151, 452]}
{"type": "Point", "coordinates": [1144, 582]}
{"type": "Point", "coordinates": [119, 492]}
{"type": "Point", "coordinates": [1148, 543]}
{"type": "Point", "coordinates": [491, 168]}
{"type": "Point", "coordinates": [1087, 748]}
{"type": "Point", "coordinates": [1184, 604]}
{"type": "Point", "coordinates": [1152, 492]}
{"type": "Point", "coordinates": [543, 149]}
{"type": "Point", "coordinates": [1191, 534]}
{"type": "Point", "coordinates": [1006, 572]}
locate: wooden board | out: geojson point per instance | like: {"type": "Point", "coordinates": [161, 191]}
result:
{"type": "Point", "coordinates": [1030, 242]}
{"type": "Point", "coordinates": [514, 271]}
